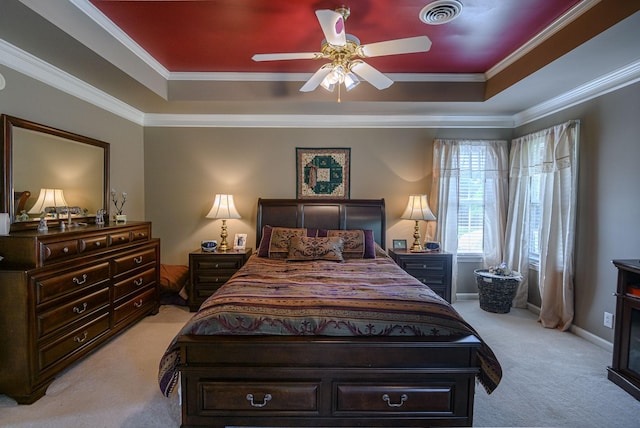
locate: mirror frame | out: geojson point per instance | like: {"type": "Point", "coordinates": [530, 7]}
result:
{"type": "Point", "coordinates": [6, 180]}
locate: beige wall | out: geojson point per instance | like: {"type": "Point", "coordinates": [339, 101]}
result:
{"type": "Point", "coordinates": [186, 167]}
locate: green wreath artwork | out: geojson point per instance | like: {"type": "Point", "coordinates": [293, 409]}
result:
{"type": "Point", "coordinates": [323, 173]}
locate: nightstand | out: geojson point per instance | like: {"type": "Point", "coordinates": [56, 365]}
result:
{"type": "Point", "coordinates": [208, 271]}
{"type": "Point", "coordinates": [432, 269]}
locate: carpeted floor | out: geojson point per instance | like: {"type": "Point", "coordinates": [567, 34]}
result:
{"type": "Point", "coordinates": [551, 379]}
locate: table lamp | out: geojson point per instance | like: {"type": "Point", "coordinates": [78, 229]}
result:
{"type": "Point", "coordinates": [417, 209]}
{"type": "Point", "coordinates": [223, 208]}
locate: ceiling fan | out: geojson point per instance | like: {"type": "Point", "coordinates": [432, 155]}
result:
{"type": "Point", "coordinates": [345, 52]}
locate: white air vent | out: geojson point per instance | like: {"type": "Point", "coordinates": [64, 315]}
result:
{"type": "Point", "coordinates": [440, 12]}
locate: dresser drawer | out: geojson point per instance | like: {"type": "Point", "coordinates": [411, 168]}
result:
{"type": "Point", "coordinates": [140, 234]}
{"type": "Point", "coordinates": [137, 304]}
{"type": "Point", "coordinates": [396, 398]}
{"type": "Point", "coordinates": [120, 238]}
{"type": "Point", "coordinates": [52, 286]}
{"type": "Point", "coordinates": [55, 251]}
{"type": "Point", "coordinates": [134, 283]}
{"type": "Point", "coordinates": [72, 342]}
{"type": "Point", "coordinates": [429, 278]}
{"type": "Point", "coordinates": [263, 397]}
{"type": "Point", "coordinates": [68, 313]}
{"type": "Point", "coordinates": [93, 243]}
{"type": "Point", "coordinates": [133, 261]}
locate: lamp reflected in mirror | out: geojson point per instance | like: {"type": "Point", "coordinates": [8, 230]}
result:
{"type": "Point", "coordinates": [47, 202]}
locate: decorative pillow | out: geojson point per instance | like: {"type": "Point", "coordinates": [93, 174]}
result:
{"type": "Point", "coordinates": [303, 248]}
{"type": "Point", "coordinates": [358, 244]}
{"type": "Point", "coordinates": [267, 231]}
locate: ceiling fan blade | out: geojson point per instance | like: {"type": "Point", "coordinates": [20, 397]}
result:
{"type": "Point", "coordinates": [316, 79]}
{"type": "Point", "coordinates": [284, 56]}
{"type": "Point", "coordinates": [332, 24]}
{"type": "Point", "coordinates": [372, 75]}
{"type": "Point", "coordinates": [398, 46]}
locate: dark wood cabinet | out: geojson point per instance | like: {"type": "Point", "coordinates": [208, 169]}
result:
{"type": "Point", "coordinates": [431, 268]}
{"type": "Point", "coordinates": [208, 271]}
{"type": "Point", "coordinates": [625, 367]}
{"type": "Point", "coordinates": [65, 292]}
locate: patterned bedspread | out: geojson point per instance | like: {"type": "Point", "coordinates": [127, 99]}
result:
{"type": "Point", "coordinates": [360, 297]}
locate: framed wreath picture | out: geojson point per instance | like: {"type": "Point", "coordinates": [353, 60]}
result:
{"type": "Point", "coordinates": [323, 173]}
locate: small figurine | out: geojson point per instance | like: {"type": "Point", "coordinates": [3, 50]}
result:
{"type": "Point", "coordinates": [42, 227]}
{"type": "Point", "coordinates": [100, 217]}
{"type": "Point", "coordinates": [23, 216]}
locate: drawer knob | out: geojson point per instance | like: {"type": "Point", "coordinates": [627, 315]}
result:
{"type": "Point", "coordinates": [80, 281]}
{"type": "Point", "coordinates": [79, 339]}
{"type": "Point", "coordinates": [267, 398]}
{"type": "Point", "coordinates": [78, 310]}
{"type": "Point", "coordinates": [98, 244]}
{"type": "Point", "coordinates": [65, 250]}
{"type": "Point", "coordinates": [403, 398]}
{"type": "Point", "coordinates": [137, 260]}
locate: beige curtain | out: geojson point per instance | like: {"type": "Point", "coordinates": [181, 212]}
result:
{"type": "Point", "coordinates": [444, 199]}
{"type": "Point", "coordinates": [553, 155]}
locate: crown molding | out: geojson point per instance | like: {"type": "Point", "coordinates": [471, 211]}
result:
{"type": "Point", "coordinates": [32, 66]}
{"type": "Point", "coordinates": [326, 121]}
{"type": "Point", "coordinates": [610, 82]}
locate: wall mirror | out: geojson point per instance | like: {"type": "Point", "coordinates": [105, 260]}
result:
{"type": "Point", "coordinates": [39, 157]}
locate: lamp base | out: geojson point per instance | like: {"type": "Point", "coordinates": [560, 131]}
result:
{"type": "Point", "coordinates": [416, 239]}
{"type": "Point", "coordinates": [224, 246]}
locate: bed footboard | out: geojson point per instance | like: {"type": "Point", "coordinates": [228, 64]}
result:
{"type": "Point", "coordinates": [327, 381]}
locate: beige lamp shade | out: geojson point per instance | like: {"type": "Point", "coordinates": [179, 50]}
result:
{"type": "Point", "coordinates": [417, 209]}
{"type": "Point", "coordinates": [223, 208]}
{"type": "Point", "coordinates": [48, 198]}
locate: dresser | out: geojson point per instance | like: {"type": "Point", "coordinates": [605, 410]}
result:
{"type": "Point", "coordinates": [208, 271]}
{"type": "Point", "coordinates": [431, 268]}
{"type": "Point", "coordinates": [63, 293]}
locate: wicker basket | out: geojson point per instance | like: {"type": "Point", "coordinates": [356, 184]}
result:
{"type": "Point", "coordinates": [496, 293]}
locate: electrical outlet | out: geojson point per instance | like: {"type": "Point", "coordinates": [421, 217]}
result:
{"type": "Point", "coordinates": [608, 319]}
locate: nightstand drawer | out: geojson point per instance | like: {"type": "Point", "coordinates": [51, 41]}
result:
{"type": "Point", "coordinates": [209, 271]}
{"type": "Point", "coordinates": [432, 269]}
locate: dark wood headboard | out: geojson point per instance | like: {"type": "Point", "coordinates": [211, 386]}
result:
{"type": "Point", "coordinates": [323, 214]}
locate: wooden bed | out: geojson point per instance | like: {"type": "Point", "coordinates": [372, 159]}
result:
{"type": "Point", "coordinates": [323, 381]}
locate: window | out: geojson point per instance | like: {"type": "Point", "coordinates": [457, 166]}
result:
{"type": "Point", "coordinates": [471, 199]}
{"type": "Point", "coordinates": [535, 201]}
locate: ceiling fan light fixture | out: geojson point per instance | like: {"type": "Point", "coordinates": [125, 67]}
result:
{"type": "Point", "coordinates": [351, 81]}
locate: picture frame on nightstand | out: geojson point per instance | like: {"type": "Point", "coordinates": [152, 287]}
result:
{"type": "Point", "coordinates": [399, 244]}
{"type": "Point", "coordinates": [240, 241]}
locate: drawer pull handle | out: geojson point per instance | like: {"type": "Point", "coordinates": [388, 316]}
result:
{"type": "Point", "coordinates": [97, 244]}
{"type": "Point", "coordinates": [138, 304]}
{"type": "Point", "coordinates": [138, 282]}
{"type": "Point", "coordinates": [77, 310]}
{"type": "Point", "coordinates": [142, 234]}
{"type": "Point", "coordinates": [80, 281]}
{"type": "Point", "coordinates": [79, 339]}
{"type": "Point", "coordinates": [137, 260]}
{"type": "Point", "coordinates": [122, 238]}
{"type": "Point", "coordinates": [267, 398]}
{"type": "Point", "coordinates": [217, 266]}
{"type": "Point", "coordinates": [403, 398]}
